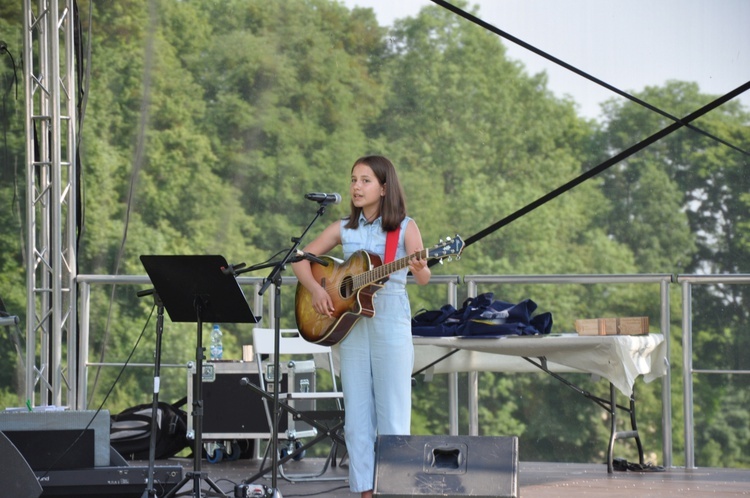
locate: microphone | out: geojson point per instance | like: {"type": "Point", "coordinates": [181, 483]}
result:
{"type": "Point", "coordinates": [310, 257]}
{"type": "Point", "coordinates": [323, 198]}
{"type": "Point", "coordinates": [244, 381]}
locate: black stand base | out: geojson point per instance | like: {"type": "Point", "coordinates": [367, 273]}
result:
{"type": "Point", "coordinates": [196, 477]}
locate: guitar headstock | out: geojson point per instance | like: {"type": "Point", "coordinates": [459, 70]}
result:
{"type": "Point", "coordinates": [448, 249]}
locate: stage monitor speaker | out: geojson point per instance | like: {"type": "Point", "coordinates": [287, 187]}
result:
{"type": "Point", "coordinates": [16, 477]}
{"type": "Point", "coordinates": [56, 449]}
{"type": "Point", "coordinates": [442, 466]}
{"type": "Point", "coordinates": [59, 439]}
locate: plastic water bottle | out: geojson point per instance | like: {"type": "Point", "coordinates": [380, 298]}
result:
{"type": "Point", "coordinates": [216, 349]}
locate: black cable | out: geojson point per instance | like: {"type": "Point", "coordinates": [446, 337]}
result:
{"type": "Point", "coordinates": [6, 123]}
{"type": "Point", "coordinates": [489, 27]}
{"type": "Point", "coordinates": [106, 397]}
{"type": "Point", "coordinates": [4, 50]}
{"type": "Point", "coordinates": [604, 165]}
{"type": "Point", "coordinates": [82, 88]}
{"type": "Point", "coordinates": [138, 160]}
{"type": "Point", "coordinates": [83, 67]}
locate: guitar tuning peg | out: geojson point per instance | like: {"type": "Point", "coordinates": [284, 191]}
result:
{"type": "Point", "coordinates": [448, 239]}
{"type": "Point", "coordinates": [440, 261]}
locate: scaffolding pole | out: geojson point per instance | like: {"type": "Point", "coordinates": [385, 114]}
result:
{"type": "Point", "coordinates": [49, 81]}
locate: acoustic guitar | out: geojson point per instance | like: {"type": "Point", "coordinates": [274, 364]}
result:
{"type": "Point", "coordinates": [352, 285]}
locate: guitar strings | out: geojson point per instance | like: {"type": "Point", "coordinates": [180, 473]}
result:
{"type": "Point", "coordinates": [356, 279]}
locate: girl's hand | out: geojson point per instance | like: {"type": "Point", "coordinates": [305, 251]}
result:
{"type": "Point", "coordinates": [322, 302]}
{"type": "Point", "coordinates": [416, 263]}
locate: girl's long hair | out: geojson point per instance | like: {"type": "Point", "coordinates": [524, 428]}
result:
{"type": "Point", "coordinates": [392, 204]}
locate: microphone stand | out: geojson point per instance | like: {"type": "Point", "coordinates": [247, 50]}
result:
{"type": "Point", "coordinates": [150, 491]}
{"type": "Point", "coordinates": [292, 256]}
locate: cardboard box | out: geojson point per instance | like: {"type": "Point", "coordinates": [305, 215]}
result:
{"type": "Point", "coordinates": [634, 325]}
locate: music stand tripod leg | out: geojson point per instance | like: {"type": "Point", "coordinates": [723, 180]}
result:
{"type": "Point", "coordinates": [196, 476]}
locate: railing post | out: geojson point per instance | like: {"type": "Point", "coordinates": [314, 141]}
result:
{"type": "Point", "coordinates": [687, 373]}
{"type": "Point", "coordinates": [666, 381]}
{"type": "Point", "coordinates": [473, 381]}
{"type": "Point", "coordinates": [83, 347]}
{"type": "Point", "coordinates": [453, 377]}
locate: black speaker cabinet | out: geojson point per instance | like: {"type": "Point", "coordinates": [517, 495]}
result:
{"type": "Point", "coordinates": [55, 449]}
{"type": "Point", "coordinates": [63, 439]}
{"type": "Point", "coordinates": [441, 466]}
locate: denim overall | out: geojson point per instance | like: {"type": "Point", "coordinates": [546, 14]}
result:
{"type": "Point", "coordinates": [377, 358]}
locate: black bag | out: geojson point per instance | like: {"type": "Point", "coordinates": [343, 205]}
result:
{"type": "Point", "coordinates": [482, 316]}
{"type": "Point", "coordinates": [130, 431]}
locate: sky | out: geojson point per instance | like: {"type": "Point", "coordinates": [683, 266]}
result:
{"type": "Point", "coordinates": [629, 44]}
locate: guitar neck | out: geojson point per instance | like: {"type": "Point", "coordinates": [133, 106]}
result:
{"type": "Point", "coordinates": [382, 271]}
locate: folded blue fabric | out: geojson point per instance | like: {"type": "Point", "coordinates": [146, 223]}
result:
{"type": "Point", "coordinates": [482, 315]}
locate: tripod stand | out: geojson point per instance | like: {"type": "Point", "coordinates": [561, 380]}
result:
{"type": "Point", "coordinates": [197, 289]}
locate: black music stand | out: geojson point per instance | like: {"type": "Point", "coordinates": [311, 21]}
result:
{"type": "Point", "coordinates": [197, 289]}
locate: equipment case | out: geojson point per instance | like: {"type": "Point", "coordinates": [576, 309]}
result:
{"type": "Point", "coordinates": [235, 411]}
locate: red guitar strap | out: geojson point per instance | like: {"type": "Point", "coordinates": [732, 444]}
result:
{"type": "Point", "coordinates": [391, 244]}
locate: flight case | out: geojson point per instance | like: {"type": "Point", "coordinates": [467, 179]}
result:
{"type": "Point", "coordinates": [234, 411]}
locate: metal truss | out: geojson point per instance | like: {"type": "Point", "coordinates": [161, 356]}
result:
{"type": "Point", "coordinates": [49, 70]}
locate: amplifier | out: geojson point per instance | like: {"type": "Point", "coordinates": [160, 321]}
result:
{"type": "Point", "coordinates": [117, 482]}
{"type": "Point", "coordinates": [234, 411]}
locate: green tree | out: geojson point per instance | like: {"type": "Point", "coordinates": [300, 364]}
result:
{"type": "Point", "coordinates": [12, 210]}
{"type": "Point", "coordinates": [681, 206]}
{"type": "Point", "coordinates": [477, 139]}
{"type": "Point", "coordinates": [286, 111]}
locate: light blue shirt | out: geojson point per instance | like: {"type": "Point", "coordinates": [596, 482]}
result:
{"type": "Point", "coordinates": [371, 238]}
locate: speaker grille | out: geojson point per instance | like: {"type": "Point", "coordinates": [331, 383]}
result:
{"type": "Point", "coordinates": [444, 466]}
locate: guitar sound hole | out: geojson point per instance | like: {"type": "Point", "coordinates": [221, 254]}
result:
{"type": "Point", "coordinates": [346, 289]}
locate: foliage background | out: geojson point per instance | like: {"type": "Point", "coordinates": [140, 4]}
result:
{"type": "Point", "coordinates": [242, 106]}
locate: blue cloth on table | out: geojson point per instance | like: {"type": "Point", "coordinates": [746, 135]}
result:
{"type": "Point", "coordinates": [482, 315]}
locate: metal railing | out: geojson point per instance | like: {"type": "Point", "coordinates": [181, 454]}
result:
{"type": "Point", "coordinates": [473, 282]}
{"type": "Point", "coordinates": [663, 279]}
{"type": "Point", "coordinates": [85, 282]}
{"type": "Point", "coordinates": [80, 389]}
{"type": "Point", "coordinates": [687, 282]}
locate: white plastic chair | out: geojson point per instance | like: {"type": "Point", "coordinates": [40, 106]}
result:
{"type": "Point", "coordinates": [291, 343]}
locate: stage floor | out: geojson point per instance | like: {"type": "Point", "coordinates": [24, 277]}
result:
{"type": "Point", "coordinates": [536, 480]}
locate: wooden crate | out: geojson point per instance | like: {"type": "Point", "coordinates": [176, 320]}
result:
{"type": "Point", "coordinates": [634, 325]}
